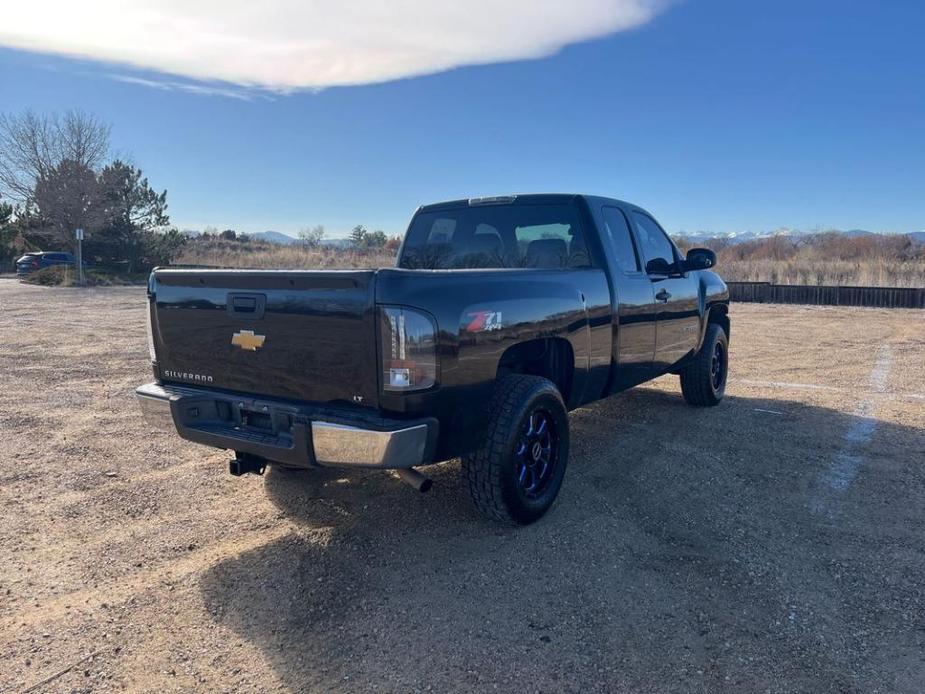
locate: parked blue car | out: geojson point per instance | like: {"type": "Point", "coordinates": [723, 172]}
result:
{"type": "Point", "coordinates": [30, 262]}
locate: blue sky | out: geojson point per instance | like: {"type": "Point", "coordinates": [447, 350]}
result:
{"type": "Point", "coordinates": [717, 115]}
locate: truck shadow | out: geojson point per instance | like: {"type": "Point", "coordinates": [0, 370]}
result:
{"type": "Point", "coordinates": [690, 549]}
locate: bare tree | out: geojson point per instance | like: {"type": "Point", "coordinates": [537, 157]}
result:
{"type": "Point", "coordinates": [69, 198]}
{"type": "Point", "coordinates": [312, 237]}
{"type": "Point", "coordinates": [34, 146]}
{"type": "Point", "coordinates": [83, 138]}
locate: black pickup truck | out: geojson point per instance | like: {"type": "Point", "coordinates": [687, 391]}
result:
{"type": "Point", "coordinates": [502, 315]}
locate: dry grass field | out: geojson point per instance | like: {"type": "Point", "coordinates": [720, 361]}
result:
{"type": "Point", "coordinates": [824, 259]}
{"type": "Point", "coordinates": [775, 543]}
{"type": "Point", "coordinates": [873, 272]}
{"type": "Point", "coordinates": [271, 256]}
{"type": "Point", "coordinates": [831, 267]}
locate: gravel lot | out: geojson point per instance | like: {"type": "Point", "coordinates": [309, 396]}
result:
{"type": "Point", "coordinates": [775, 543]}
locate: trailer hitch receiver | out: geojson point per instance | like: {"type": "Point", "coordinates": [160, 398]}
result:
{"type": "Point", "coordinates": [244, 463]}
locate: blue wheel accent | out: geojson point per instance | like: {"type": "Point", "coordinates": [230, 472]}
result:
{"type": "Point", "coordinates": [535, 455]}
{"type": "Point", "coordinates": [718, 366]}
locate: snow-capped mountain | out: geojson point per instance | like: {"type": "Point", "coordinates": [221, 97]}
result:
{"type": "Point", "coordinates": [743, 236]}
{"type": "Point", "coordinates": [739, 236]}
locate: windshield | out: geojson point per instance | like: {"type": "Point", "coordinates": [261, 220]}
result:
{"type": "Point", "coordinates": [496, 236]}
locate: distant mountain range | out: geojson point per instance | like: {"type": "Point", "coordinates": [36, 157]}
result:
{"type": "Point", "coordinates": [732, 236]}
{"type": "Point", "coordinates": [743, 236]}
{"type": "Point", "coordinates": [271, 236]}
{"type": "Point", "coordinates": [275, 237]}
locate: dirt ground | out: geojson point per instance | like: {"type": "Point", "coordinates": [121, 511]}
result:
{"type": "Point", "coordinates": [775, 543]}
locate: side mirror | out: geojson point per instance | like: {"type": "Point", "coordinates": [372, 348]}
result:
{"type": "Point", "coordinates": [699, 259]}
{"type": "Point", "coordinates": [660, 266]}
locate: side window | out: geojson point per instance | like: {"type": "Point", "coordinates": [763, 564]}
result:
{"type": "Point", "coordinates": [655, 244]}
{"type": "Point", "coordinates": [621, 241]}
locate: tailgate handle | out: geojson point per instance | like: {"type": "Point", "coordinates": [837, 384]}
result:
{"type": "Point", "coordinates": [247, 306]}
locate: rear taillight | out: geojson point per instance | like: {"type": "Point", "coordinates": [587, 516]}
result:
{"type": "Point", "coordinates": [148, 309]}
{"type": "Point", "coordinates": [35, 265]}
{"type": "Point", "coordinates": [408, 349]}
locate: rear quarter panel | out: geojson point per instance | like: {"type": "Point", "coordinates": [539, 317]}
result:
{"type": "Point", "coordinates": [480, 314]}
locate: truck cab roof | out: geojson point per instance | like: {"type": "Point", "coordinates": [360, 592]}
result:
{"type": "Point", "coordinates": [523, 199]}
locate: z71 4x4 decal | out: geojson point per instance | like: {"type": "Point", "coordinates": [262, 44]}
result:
{"type": "Point", "coordinates": [483, 321]}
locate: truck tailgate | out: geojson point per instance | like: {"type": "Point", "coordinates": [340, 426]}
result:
{"type": "Point", "coordinates": [307, 336]}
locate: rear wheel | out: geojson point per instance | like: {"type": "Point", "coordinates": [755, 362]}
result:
{"type": "Point", "coordinates": [516, 474]}
{"type": "Point", "coordinates": [703, 381]}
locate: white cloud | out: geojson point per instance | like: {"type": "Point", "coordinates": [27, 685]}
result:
{"type": "Point", "coordinates": [189, 87]}
{"type": "Point", "coordinates": [294, 44]}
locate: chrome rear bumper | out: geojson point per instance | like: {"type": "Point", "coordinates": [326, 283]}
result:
{"type": "Point", "coordinates": [154, 402]}
{"type": "Point", "coordinates": [194, 414]}
{"type": "Point", "coordinates": [339, 444]}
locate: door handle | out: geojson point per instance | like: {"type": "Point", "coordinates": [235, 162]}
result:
{"type": "Point", "coordinates": [663, 295]}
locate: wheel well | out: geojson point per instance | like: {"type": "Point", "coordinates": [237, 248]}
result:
{"type": "Point", "coordinates": [719, 314]}
{"type": "Point", "coordinates": [550, 357]}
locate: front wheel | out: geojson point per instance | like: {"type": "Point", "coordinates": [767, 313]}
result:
{"type": "Point", "coordinates": [516, 473]}
{"type": "Point", "coordinates": [703, 381]}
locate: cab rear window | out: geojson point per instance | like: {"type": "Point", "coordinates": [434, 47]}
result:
{"type": "Point", "coordinates": [496, 236]}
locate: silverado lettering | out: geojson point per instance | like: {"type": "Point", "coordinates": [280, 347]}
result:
{"type": "Point", "coordinates": [189, 377]}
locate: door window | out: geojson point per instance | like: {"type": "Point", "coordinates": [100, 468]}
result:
{"type": "Point", "coordinates": [655, 245]}
{"type": "Point", "coordinates": [621, 241]}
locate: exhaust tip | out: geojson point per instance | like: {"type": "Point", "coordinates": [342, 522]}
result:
{"type": "Point", "coordinates": [415, 479]}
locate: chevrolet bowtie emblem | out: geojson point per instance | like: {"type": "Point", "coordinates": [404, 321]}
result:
{"type": "Point", "coordinates": [245, 339]}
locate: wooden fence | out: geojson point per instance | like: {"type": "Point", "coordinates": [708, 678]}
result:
{"type": "Point", "coordinates": [884, 297]}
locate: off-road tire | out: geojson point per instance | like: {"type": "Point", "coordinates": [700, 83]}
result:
{"type": "Point", "coordinates": [700, 384]}
{"type": "Point", "coordinates": [491, 472]}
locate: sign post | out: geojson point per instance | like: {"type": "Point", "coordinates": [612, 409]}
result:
{"type": "Point", "coordinates": [79, 235]}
